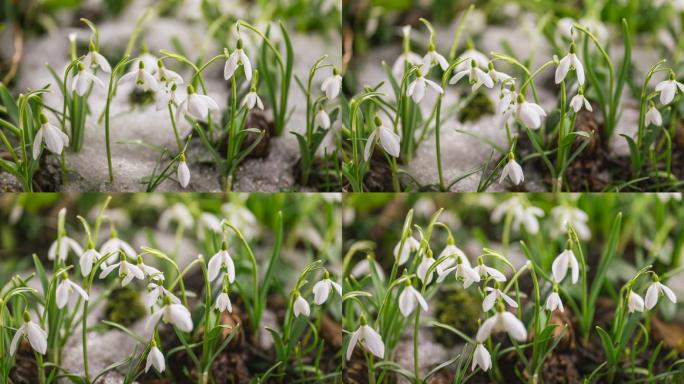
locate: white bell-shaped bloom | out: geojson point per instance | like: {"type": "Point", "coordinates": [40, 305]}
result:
{"type": "Point", "coordinates": [495, 295]}
{"type": "Point", "coordinates": [251, 100]}
{"type": "Point", "coordinates": [554, 302]}
{"type": "Point", "coordinates": [507, 99]}
{"type": "Point", "coordinates": [36, 336]}
{"type": "Point", "coordinates": [66, 243]}
{"type": "Point", "coordinates": [223, 303]}
{"type": "Point", "coordinates": [149, 271]}
{"type": "Point", "coordinates": [654, 117]}
{"type": "Point", "coordinates": [183, 173]}
{"type": "Point", "coordinates": [141, 78]}
{"type": "Point", "coordinates": [156, 290]}
{"type": "Point", "coordinates": [416, 89]}
{"type": "Point", "coordinates": [237, 58]}
{"type": "Point", "coordinates": [432, 57]}
{"type": "Point", "coordinates": [149, 60]}
{"type": "Point", "coordinates": [568, 63]}
{"type": "Point", "coordinates": [668, 89]}
{"type": "Point", "coordinates": [579, 101]}
{"type": "Point", "coordinates": [94, 59]}
{"type": "Point", "coordinates": [560, 266]}
{"type": "Point", "coordinates": [114, 246]}
{"type": "Point", "coordinates": [196, 106]}
{"type": "Point", "coordinates": [88, 259]}
{"type": "Point", "coordinates": [410, 245]}
{"type": "Point", "coordinates": [55, 140]}
{"type": "Point", "coordinates": [363, 268]}
{"type": "Point", "coordinates": [476, 76]}
{"type": "Point", "coordinates": [322, 120]}
{"type": "Point", "coordinates": [529, 114]}
{"type": "Point", "coordinates": [220, 261]}
{"type": "Point", "coordinates": [175, 314]}
{"type": "Point", "coordinates": [513, 171]}
{"type": "Point", "coordinates": [496, 76]}
{"type": "Point", "coordinates": [422, 270]}
{"type": "Point", "coordinates": [332, 85]}
{"type": "Point", "coordinates": [467, 274]}
{"type": "Point", "coordinates": [635, 303]}
{"type": "Point", "coordinates": [469, 56]}
{"type": "Point", "coordinates": [208, 222]}
{"type": "Point", "coordinates": [166, 76]}
{"type": "Point", "coordinates": [485, 271]}
{"type": "Point", "coordinates": [654, 291]}
{"type": "Point", "coordinates": [389, 141]}
{"type": "Point", "coordinates": [411, 58]}
{"type": "Point", "coordinates": [179, 213]}
{"type": "Point", "coordinates": [409, 298]}
{"type": "Point", "coordinates": [368, 338]}
{"type": "Point", "coordinates": [456, 255]}
{"type": "Point", "coordinates": [502, 321]}
{"type": "Point", "coordinates": [322, 289]}
{"type": "Point", "coordinates": [566, 215]}
{"type": "Point", "coordinates": [83, 80]}
{"type": "Point", "coordinates": [155, 359]}
{"type": "Point", "coordinates": [127, 271]}
{"type": "Point", "coordinates": [481, 358]}
{"type": "Point", "coordinates": [301, 306]}
{"type": "Point", "coordinates": [166, 95]}
{"type": "Point", "coordinates": [64, 290]}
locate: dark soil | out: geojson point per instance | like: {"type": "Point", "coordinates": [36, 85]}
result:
{"type": "Point", "coordinates": [261, 120]}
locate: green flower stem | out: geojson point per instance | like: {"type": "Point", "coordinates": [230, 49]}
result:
{"type": "Point", "coordinates": [256, 317]}
{"type": "Point", "coordinates": [175, 129]}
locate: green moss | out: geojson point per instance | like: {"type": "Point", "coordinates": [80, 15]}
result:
{"type": "Point", "coordinates": [124, 306]}
{"type": "Point", "coordinates": [139, 97]}
{"type": "Point", "coordinates": [477, 107]}
{"type": "Point", "coordinates": [460, 310]}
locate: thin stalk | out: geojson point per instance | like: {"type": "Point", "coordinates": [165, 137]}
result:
{"type": "Point", "coordinates": [175, 129]}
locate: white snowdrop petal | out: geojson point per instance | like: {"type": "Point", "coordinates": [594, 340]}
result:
{"type": "Point", "coordinates": [651, 296]}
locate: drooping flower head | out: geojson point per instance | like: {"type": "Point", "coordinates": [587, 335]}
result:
{"type": "Point", "coordinates": [235, 60]}
{"type": "Point", "coordinates": [221, 262]}
{"type": "Point", "coordinates": [36, 336]}
{"type": "Point", "coordinates": [332, 85]}
{"type": "Point", "coordinates": [389, 141]}
{"type": "Point", "coordinates": [409, 299]}
{"type": "Point", "coordinates": [55, 140]}
{"type": "Point", "coordinates": [368, 338]}
{"type": "Point", "coordinates": [568, 63]}
{"type": "Point", "coordinates": [322, 289]}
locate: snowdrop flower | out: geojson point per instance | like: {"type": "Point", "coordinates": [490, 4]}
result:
{"type": "Point", "coordinates": [635, 302]}
{"type": "Point", "coordinates": [167, 76]}
{"type": "Point", "coordinates": [466, 273]}
{"type": "Point", "coordinates": [579, 101]}
{"type": "Point", "coordinates": [208, 221]}
{"type": "Point", "coordinates": [654, 291]}
{"type": "Point", "coordinates": [528, 218]}
{"type": "Point", "coordinates": [83, 80]}
{"type": "Point", "coordinates": [456, 255]}
{"type": "Point", "coordinates": [149, 271]}
{"type": "Point", "coordinates": [142, 79]}
{"type": "Point", "coordinates": [476, 76]}
{"type": "Point", "coordinates": [496, 76]}
{"type": "Point", "coordinates": [165, 96]}
{"type": "Point", "coordinates": [332, 85]}
{"type": "Point", "coordinates": [481, 358]}
{"type": "Point", "coordinates": [156, 289]}
{"type": "Point", "coordinates": [502, 321]}
{"type": "Point", "coordinates": [114, 246]}
{"type": "Point", "coordinates": [223, 302]}
{"type": "Point", "coordinates": [94, 59]}
{"type": "Point", "coordinates": [196, 106]}
{"type": "Point", "coordinates": [36, 336]}
{"type": "Point", "coordinates": [179, 213]}
{"type": "Point", "coordinates": [485, 271]}
{"type": "Point", "coordinates": [513, 171]}
{"type": "Point", "coordinates": [528, 113]}
{"type": "Point", "coordinates": [55, 140]}
{"type": "Point", "coordinates": [560, 266]}
{"type": "Point", "coordinates": [410, 245]}
{"type": "Point", "coordinates": [236, 59]}
{"type": "Point", "coordinates": [322, 289]}
{"type": "Point", "coordinates": [66, 243]}
{"type": "Point", "coordinates": [64, 290]}
{"type": "Point", "coordinates": [148, 59]}
{"type": "Point", "coordinates": [183, 172]}
{"type": "Point", "coordinates": [565, 216]}
{"type": "Point", "coordinates": [668, 89]}
{"type": "Point", "coordinates": [409, 298]}
{"type": "Point", "coordinates": [363, 268]}
{"type": "Point", "coordinates": [432, 57]}
{"type": "Point", "coordinates": [469, 56]}
{"type": "Point", "coordinates": [416, 89]}
{"type": "Point", "coordinates": [495, 295]}
{"type": "Point", "coordinates": [221, 262]}
{"type": "Point", "coordinates": [568, 63]}
{"type": "Point", "coordinates": [554, 302]}
{"type": "Point", "coordinates": [506, 101]}
{"type": "Point", "coordinates": [300, 306]}
{"type": "Point", "coordinates": [422, 270]}
{"type": "Point", "coordinates": [368, 338]}
{"type": "Point", "coordinates": [176, 314]}
{"type": "Point", "coordinates": [88, 259]}
{"type": "Point", "coordinates": [389, 141]}
{"type": "Point", "coordinates": [322, 119]}
{"type": "Point", "coordinates": [155, 358]}
{"type": "Point", "coordinates": [252, 99]}
{"type": "Point", "coordinates": [653, 117]}
{"type": "Point", "coordinates": [407, 57]}
{"type": "Point", "coordinates": [127, 271]}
